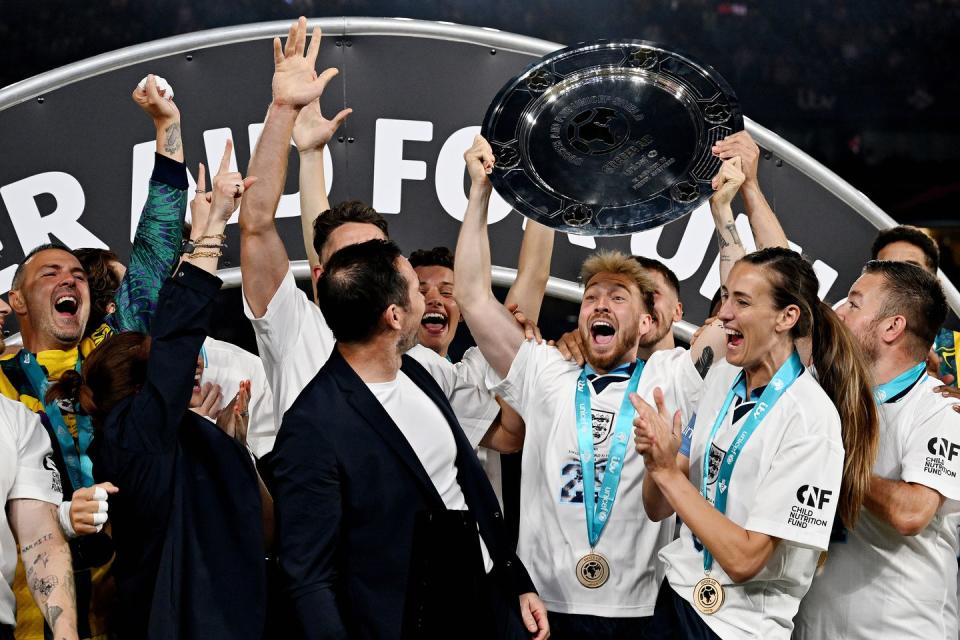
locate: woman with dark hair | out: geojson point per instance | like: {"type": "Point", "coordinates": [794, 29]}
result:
{"type": "Point", "coordinates": [189, 519]}
{"type": "Point", "coordinates": [775, 454]}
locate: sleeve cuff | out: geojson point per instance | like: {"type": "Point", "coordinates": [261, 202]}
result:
{"type": "Point", "coordinates": [195, 278]}
{"type": "Point", "coordinates": [169, 172]}
{"type": "Point", "coordinates": [818, 540]}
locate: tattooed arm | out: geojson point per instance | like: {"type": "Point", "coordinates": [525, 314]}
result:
{"type": "Point", "coordinates": [766, 228]}
{"type": "Point", "coordinates": [46, 559]}
{"type": "Point", "coordinates": [726, 183]}
{"type": "Point", "coordinates": [156, 244]}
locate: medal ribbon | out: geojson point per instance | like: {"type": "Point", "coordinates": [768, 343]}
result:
{"type": "Point", "coordinates": [895, 387]}
{"type": "Point", "coordinates": [785, 376]}
{"type": "Point", "coordinates": [79, 464]}
{"type": "Point", "coordinates": [598, 507]}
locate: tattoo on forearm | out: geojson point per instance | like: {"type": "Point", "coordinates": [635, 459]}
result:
{"type": "Point", "coordinates": [53, 612]}
{"type": "Point", "coordinates": [704, 362]}
{"type": "Point", "coordinates": [32, 545]}
{"type": "Point", "coordinates": [43, 586]}
{"type": "Point", "coordinates": [42, 557]}
{"type": "Point", "coordinates": [732, 231]}
{"type": "Point", "coordinates": [172, 141]}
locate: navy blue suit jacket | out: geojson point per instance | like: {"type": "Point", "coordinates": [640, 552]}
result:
{"type": "Point", "coordinates": [347, 489]}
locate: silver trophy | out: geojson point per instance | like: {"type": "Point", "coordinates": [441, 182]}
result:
{"type": "Point", "coordinates": [609, 138]}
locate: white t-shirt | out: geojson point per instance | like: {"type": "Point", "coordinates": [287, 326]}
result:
{"type": "Point", "coordinates": [294, 342]}
{"type": "Point", "coordinates": [428, 433]}
{"type": "Point", "coordinates": [878, 583]}
{"type": "Point", "coordinates": [227, 365]}
{"type": "Point", "coordinates": [541, 385]}
{"type": "Point", "coordinates": [786, 484]}
{"type": "Point", "coordinates": [27, 471]}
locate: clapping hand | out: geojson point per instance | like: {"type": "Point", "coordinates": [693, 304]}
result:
{"type": "Point", "coordinates": [657, 433]}
{"type": "Point", "coordinates": [235, 417]}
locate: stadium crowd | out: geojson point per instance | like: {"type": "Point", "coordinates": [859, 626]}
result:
{"type": "Point", "coordinates": [791, 473]}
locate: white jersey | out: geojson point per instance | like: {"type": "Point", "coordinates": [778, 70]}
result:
{"type": "Point", "coordinates": [785, 484]}
{"type": "Point", "coordinates": [227, 365]}
{"type": "Point", "coordinates": [27, 471]}
{"type": "Point", "coordinates": [878, 583]}
{"type": "Point", "coordinates": [541, 385]}
{"type": "Point", "coordinates": [294, 342]}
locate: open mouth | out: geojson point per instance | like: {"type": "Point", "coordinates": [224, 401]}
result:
{"type": "Point", "coordinates": [734, 338]}
{"type": "Point", "coordinates": [435, 323]}
{"type": "Point", "coordinates": [66, 305]}
{"type": "Point", "coordinates": [196, 381]}
{"type": "Point", "coordinates": [602, 332]}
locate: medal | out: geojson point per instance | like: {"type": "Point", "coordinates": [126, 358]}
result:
{"type": "Point", "coordinates": [708, 595]}
{"type": "Point", "coordinates": [593, 570]}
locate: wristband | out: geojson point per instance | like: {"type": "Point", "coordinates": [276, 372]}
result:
{"type": "Point", "coordinates": [63, 515]}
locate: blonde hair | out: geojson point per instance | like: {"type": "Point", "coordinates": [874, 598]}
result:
{"type": "Point", "coordinates": [619, 263]}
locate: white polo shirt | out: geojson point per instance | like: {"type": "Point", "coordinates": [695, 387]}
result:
{"type": "Point", "coordinates": [878, 583]}
{"type": "Point", "coordinates": [541, 385]}
{"type": "Point", "coordinates": [786, 484]}
{"type": "Point", "coordinates": [27, 471]}
{"type": "Point", "coordinates": [227, 365]}
{"type": "Point", "coordinates": [294, 342]}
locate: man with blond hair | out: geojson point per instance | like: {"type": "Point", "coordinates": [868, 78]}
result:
{"type": "Point", "coordinates": [595, 564]}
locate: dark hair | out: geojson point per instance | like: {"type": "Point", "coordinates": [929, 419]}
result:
{"type": "Point", "coordinates": [841, 369]}
{"type": "Point", "coordinates": [667, 273]}
{"type": "Point", "coordinates": [343, 213]}
{"type": "Point", "coordinates": [916, 295]}
{"type": "Point", "coordinates": [359, 282]}
{"type": "Point", "coordinates": [113, 371]}
{"type": "Point", "coordinates": [911, 235]}
{"type": "Point", "coordinates": [436, 257]}
{"type": "Point", "coordinates": [18, 274]}
{"type": "Point", "coordinates": [102, 280]}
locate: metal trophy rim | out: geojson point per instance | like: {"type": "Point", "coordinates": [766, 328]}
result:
{"type": "Point", "coordinates": [496, 107]}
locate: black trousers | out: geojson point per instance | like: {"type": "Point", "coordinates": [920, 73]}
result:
{"type": "Point", "coordinates": [675, 619]}
{"type": "Point", "coordinates": [568, 626]}
{"type": "Point", "coordinates": [6, 632]}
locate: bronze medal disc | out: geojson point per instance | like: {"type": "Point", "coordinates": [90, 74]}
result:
{"type": "Point", "coordinates": [708, 595]}
{"type": "Point", "coordinates": [593, 570]}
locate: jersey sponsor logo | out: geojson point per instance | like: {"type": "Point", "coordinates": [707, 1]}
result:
{"type": "Point", "coordinates": [810, 498]}
{"type": "Point", "coordinates": [942, 451]}
{"type": "Point", "coordinates": [813, 496]}
{"type": "Point", "coordinates": [943, 448]}
{"type": "Point", "coordinates": [51, 466]}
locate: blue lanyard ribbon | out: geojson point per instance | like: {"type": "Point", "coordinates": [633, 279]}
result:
{"type": "Point", "coordinates": [884, 392]}
{"type": "Point", "coordinates": [79, 464]}
{"type": "Point", "coordinates": [598, 507]}
{"type": "Point", "coordinates": [785, 376]}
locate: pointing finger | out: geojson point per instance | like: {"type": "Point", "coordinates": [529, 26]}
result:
{"type": "Point", "coordinates": [225, 160]}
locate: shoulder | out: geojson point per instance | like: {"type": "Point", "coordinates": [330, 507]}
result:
{"type": "Point", "coordinates": [227, 354]}
{"type": "Point", "coordinates": [17, 417]}
{"type": "Point", "coordinates": [809, 410]}
{"type": "Point", "coordinates": [922, 404]}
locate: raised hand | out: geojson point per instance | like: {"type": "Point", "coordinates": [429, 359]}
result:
{"type": "Point", "coordinates": [740, 144]}
{"type": "Point", "coordinates": [312, 131]}
{"type": "Point", "coordinates": [154, 102]}
{"type": "Point", "coordinates": [227, 190]}
{"type": "Point", "coordinates": [480, 160]}
{"type": "Point", "coordinates": [657, 433]}
{"type": "Point", "coordinates": [530, 330]}
{"type": "Point", "coordinates": [206, 401]}
{"type": "Point", "coordinates": [295, 80]}
{"type": "Point", "coordinates": [727, 181]}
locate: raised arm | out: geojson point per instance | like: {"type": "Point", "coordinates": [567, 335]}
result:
{"type": "Point", "coordinates": [533, 270]}
{"type": "Point", "coordinates": [263, 257]}
{"type": "Point", "coordinates": [725, 184]}
{"type": "Point", "coordinates": [767, 231]}
{"type": "Point", "coordinates": [46, 557]}
{"type": "Point", "coordinates": [494, 329]}
{"type": "Point", "coordinates": [311, 133]}
{"type": "Point", "coordinates": [156, 243]}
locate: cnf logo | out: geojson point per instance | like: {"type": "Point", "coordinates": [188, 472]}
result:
{"type": "Point", "coordinates": [943, 448]}
{"type": "Point", "coordinates": [813, 496]}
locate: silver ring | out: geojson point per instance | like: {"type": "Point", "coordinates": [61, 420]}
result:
{"type": "Point", "coordinates": [199, 190]}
